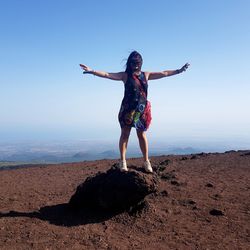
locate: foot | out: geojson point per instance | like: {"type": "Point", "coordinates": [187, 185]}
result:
{"type": "Point", "coordinates": [148, 167]}
{"type": "Point", "coordinates": [123, 165]}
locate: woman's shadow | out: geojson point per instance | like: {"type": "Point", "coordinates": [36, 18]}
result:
{"type": "Point", "coordinates": [64, 215]}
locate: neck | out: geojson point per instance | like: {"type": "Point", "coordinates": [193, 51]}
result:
{"type": "Point", "coordinates": [137, 72]}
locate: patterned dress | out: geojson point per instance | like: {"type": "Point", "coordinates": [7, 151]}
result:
{"type": "Point", "coordinates": [135, 109]}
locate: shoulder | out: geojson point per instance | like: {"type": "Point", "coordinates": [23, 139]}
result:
{"type": "Point", "coordinates": [146, 74]}
{"type": "Point", "coordinates": [124, 77]}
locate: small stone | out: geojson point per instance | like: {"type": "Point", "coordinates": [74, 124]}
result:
{"type": "Point", "coordinates": [194, 157]}
{"type": "Point", "coordinates": [166, 162]}
{"type": "Point", "coordinates": [161, 168]}
{"type": "Point", "coordinates": [216, 212]}
{"type": "Point", "coordinates": [176, 183]}
{"type": "Point", "coordinates": [217, 197]}
{"type": "Point", "coordinates": [184, 158]}
{"type": "Point", "coordinates": [164, 193]}
{"type": "Point", "coordinates": [168, 176]}
{"type": "Point", "coordinates": [209, 185]}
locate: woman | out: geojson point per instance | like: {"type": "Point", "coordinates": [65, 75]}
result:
{"type": "Point", "coordinates": [135, 109]}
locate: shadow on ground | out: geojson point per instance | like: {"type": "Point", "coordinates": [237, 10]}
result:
{"type": "Point", "coordinates": [98, 198]}
{"type": "Point", "coordinates": [63, 215]}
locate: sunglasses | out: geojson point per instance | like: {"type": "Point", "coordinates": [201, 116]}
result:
{"type": "Point", "coordinates": [134, 63]}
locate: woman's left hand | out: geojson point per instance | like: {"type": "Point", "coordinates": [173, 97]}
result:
{"type": "Point", "coordinates": [86, 69]}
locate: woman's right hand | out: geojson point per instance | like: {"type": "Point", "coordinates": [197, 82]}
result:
{"type": "Point", "coordinates": [184, 68]}
{"type": "Point", "coordinates": [86, 69]}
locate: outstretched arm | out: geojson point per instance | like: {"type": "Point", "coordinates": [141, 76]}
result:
{"type": "Point", "coordinates": [113, 76]}
{"type": "Point", "coordinates": [158, 75]}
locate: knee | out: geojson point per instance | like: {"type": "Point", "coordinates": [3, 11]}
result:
{"type": "Point", "coordinates": [125, 135]}
{"type": "Point", "coordinates": [141, 135]}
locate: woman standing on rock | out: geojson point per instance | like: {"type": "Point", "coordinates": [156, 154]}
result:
{"type": "Point", "coordinates": [135, 109]}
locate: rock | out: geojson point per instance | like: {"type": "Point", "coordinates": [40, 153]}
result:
{"type": "Point", "coordinates": [209, 185]}
{"type": "Point", "coordinates": [217, 196]}
{"type": "Point", "coordinates": [198, 156]}
{"type": "Point", "coordinates": [168, 176]}
{"type": "Point", "coordinates": [246, 154]}
{"type": "Point", "coordinates": [188, 203]}
{"type": "Point", "coordinates": [160, 168]}
{"type": "Point", "coordinates": [216, 212]}
{"type": "Point", "coordinates": [176, 183]}
{"type": "Point", "coordinates": [165, 162]}
{"type": "Point", "coordinates": [194, 157]}
{"type": "Point", "coordinates": [114, 190]}
{"type": "Point", "coordinates": [202, 154]}
{"type": "Point", "coordinates": [230, 151]}
{"type": "Point", "coordinates": [164, 193]}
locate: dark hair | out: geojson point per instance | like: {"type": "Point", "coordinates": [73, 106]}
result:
{"type": "Point", "coordinates": [134, 57]}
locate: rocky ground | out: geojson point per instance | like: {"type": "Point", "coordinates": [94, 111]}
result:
{"type": "Point", "coordinates": [202, 202]}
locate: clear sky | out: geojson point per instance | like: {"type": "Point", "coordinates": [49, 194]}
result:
{"type": "Point", "coordinates": [43, 93]}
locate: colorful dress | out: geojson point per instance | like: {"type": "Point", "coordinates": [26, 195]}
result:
{"type": "Point", "coordinates": [135, 109]}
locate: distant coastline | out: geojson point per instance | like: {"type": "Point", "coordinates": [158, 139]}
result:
{"type": "Point", "coordinates": [12, 165]}
{"type": "Point", "coordinates": [55, 152]}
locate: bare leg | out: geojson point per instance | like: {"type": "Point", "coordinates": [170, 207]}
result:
{"type": "Point", "coordinates": [143, 143]}
{"type": "Point", "coordinates": [123, 143]}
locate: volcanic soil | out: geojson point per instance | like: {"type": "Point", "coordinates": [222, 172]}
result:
{"type": "Point", "coordinates": [202, 202]}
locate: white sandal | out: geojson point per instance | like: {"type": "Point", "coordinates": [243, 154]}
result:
{"type": "Point", "coordinates": [148, 167]}
{"type": "Point", "coordinates": [123, 165]}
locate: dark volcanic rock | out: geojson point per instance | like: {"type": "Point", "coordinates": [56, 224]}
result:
{"type": "Point", "coordinates": [165, 162]}
{"type": "Point", "coordinates": [114, 190]}
{"type": "Point", "coordinates": [209, 185]}
{"type": "Point", "coordinates": [246, 154]}
{"type": "Point", "coordinates": [194, 157]}
{"type": "Point", "coordinates": [230, 151]}
{"type": "Point", "coordinates": [216, 212]}
{"type": "Point", "coordinates": [176, 183]}
{"type": "Point", "coordinates": [168, 176]}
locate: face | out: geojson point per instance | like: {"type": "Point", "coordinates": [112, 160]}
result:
{"type": "Point", "coordinates": [135, 65]}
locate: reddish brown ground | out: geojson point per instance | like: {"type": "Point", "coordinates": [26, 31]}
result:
{"type": "Point", "coordinates": [178, 215]}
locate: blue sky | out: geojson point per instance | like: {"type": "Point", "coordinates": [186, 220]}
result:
{"type": "Point", "coordinates": [45, 95]}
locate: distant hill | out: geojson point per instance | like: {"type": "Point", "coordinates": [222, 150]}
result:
{"type": "Point", "coordinates": [23, 158]}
